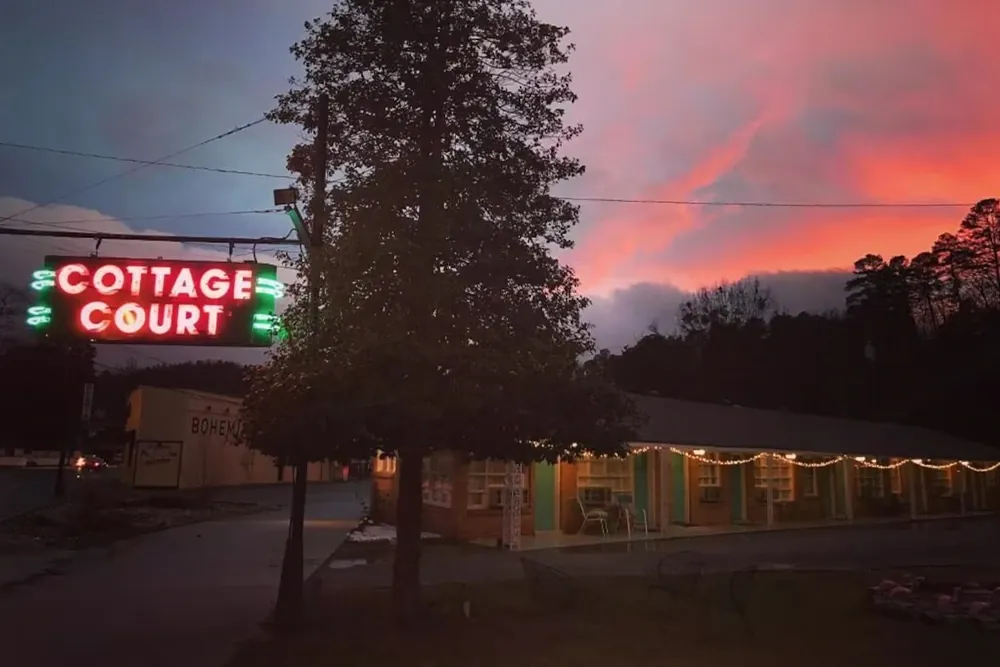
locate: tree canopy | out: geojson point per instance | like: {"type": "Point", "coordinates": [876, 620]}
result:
{"type": "Point", "coordinates": [445, 322]}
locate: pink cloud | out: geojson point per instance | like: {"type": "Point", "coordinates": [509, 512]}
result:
{"type": "Point", "coordinates": [845, 100]}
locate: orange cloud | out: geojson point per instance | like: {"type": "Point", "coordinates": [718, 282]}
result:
{"type": "Point", "coordinates": [792, 100]}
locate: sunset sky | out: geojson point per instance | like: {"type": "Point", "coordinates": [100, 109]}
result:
{"type": "Point", "coordinates": [809, 101]}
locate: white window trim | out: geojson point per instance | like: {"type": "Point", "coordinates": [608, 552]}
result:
{"type": "Point", "coordinates": [586, 479]}
{"type": "Point", "coordinates": [778, 470]}
{"type": "Point", "coordinates": [877, 475]}
{"type": "Point", "coordinates": [436, 479]}
{"type": "Point", "coordinates": [494, 474]}
{"type": "Point", "coordinates": [714, 470]}
{"type": "Point", "coordinates": [810, 490]}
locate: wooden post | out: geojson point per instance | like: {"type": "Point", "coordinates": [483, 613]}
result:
{"type": "Point", "coordinates": [911, 483]}
{"type": "Point", "coordinates": [963, 488]}
{"type": "Point", "coordinates": [768, 482]}
{"type": "Point", "coordinates": [848, 490]}
{"type": "Point", "coordinates": [923, 490]}
{"type": "Point", "coordinates": [745, 489]}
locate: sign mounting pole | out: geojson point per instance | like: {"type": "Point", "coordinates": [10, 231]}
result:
{"type": "Point", "coordinates": [288, 610]}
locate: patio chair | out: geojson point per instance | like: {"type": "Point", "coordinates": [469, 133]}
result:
{"type": "Point", "coordinates": [637, 519]}
{"type": "Point", "coordinates": [598, 516]}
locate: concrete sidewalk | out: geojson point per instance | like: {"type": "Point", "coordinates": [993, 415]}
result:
{"type": "Point", "coordinates": [182, 597]}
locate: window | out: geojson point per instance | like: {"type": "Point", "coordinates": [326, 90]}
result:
{"type": "Point", "coordinates": [487, 481]}
{"type": "Point", "coordinates": [710, 479]}
{"type": "Point", "coordinates": [810, 482]}
{"type": "Point", "coordinates": [437, 479]}
{"type": "Point", "coordinates": [781, 476]}
{"type": "Point", "coordinates": [896, 481]}
{"type": "Point", "coordinates": [941, 481]}
{"type": "Point", "coordinates": [385, 466]}
{"type": "Point", "coordinates": [871, 482]}
{"type": "Point", "coordinates": [605, 473]}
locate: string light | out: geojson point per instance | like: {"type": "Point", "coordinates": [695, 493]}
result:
{"type": "Point", "coordinates": [934, 466]}
{"type": "Point", "coordinates": [976, 469]}
{"type": "Point", "coordinates": [700, 456]}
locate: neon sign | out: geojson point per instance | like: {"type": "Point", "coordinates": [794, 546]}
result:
{"type": "Point", "coordinates": [164, 302]}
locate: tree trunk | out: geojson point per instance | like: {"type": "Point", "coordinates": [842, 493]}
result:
{"type": "Point", "coordinates": [288, 609]}
{"type": "Point", "coordinates": [409, 508]}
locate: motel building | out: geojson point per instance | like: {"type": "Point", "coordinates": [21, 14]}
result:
{"type": "Point", "coordinates": [702, 468]}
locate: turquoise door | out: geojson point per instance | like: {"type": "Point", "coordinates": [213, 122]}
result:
{"type": "Point", "coordinates": [545, 496]}
{"type": "Point", "coordinates": [640, 472]}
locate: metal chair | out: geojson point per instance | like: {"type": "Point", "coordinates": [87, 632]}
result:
{"type": "Point", "coordinates": [636, 519]}
{"type": "Point", "coordinates": [596, 515]}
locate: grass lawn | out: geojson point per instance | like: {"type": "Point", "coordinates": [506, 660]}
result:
{"type": "Point", "coordinates": [799, 619]}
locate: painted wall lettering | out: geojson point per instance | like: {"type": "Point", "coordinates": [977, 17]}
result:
{"type": "Point", "coordinates": [226, 428]}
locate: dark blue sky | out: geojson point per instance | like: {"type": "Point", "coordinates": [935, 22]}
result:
{"type": "Point", "coordinates": [144, 79]}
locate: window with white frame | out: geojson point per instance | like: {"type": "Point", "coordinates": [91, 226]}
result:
{"type": "Point", "coordinates": [941, 481]}
{"type": "Point", "coordinates": [385, 465]}
{"type": "Point", "coordinates": [611, 472]}
{"type": "Point", "coordinates": [896, 480]}
{"type": "Point", "coordinates": [600, 480]}
{"type": "Point", "coordinates": [710, 479]}
{"type": "Point", "coordinates": [487, 483]}
{"type": "Point", "coordinates": [871, 482]}
{"type": "Point", "coordinates": [810, 482]}
{"type": "Point", "coordinates": [437, 479]}
{"type": "Point", "coordinates": [781, 475]}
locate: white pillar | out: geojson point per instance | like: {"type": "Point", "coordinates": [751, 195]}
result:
{"type": "Point", "coordinates": [848, 490]}
{"type": "Point", "coordinates": [666, 489]}
{"type": "Point", "coordinates": [963, 486]}
{"type": "Point", "coordinates": [911, 483]}
{"type": "Point", "coordinates": [745, 489]}
{"type": "Point", "coordinates": [768, 482]}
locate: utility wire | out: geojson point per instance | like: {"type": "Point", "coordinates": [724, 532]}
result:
{"type": "Point", "coordinates": [78, 191]}
{"type": "Point", "coordinates": [178, 216]}
{"type": "Point", "coordinates": [158, 238]}
{"type": "Point", "coordinates": [607, 200]}
{"type": "Point", "coordinates": [159, 163]}
{"type": "Point", "coordinates": [768, 204]}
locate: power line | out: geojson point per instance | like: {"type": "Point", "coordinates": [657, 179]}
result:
{"type": "Point", "coordinates": [78, 191]}
{"type": "Point", "coordinates": [177, 216]}
{"type": "Point", "coordinates": [765, 204]}
{"type": "Point", "coordinates": [159, 163]}
{"type": "Point", "coordinates": [607, 200]}
{"type": "Point", "coordinates": [159, 238]}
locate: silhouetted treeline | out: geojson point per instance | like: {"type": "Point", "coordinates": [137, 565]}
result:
{"type": "Point", "coordinates": [42, 388]}
{"type": "Point", "coordinates": [918, 342]}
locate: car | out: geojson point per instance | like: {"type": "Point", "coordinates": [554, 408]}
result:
{"type": "Point", "coordinates": [89, 462]}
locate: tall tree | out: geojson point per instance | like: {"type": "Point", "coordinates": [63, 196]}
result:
{"type": "Point", "coordinates": [954, 263]}
{"type": "Point", "coordinates": [444, 311]}
{"type": "Point", "coordinates": [728, 303]}
{"type": "Point", "coordinates": [926, 290]}
{"type": "Point", "coordinates": [979, 233]}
